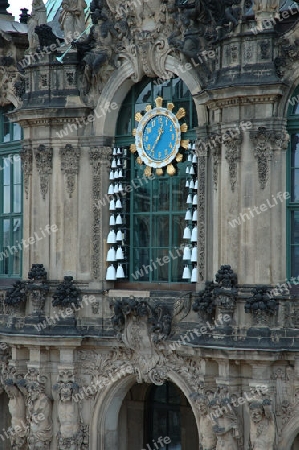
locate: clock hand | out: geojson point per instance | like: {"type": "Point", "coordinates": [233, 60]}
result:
{"type": "Point", "coordinates": [158, 138]}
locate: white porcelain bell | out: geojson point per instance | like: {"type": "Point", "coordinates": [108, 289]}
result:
{"type": "Point", "coordinates": [194, 254]}
{"type": "Point", "coordinates": [111, 239]}
{"type": "Point", "coordinates": [111, 189]}
{"type": "Point", "coordinates": [119, 220]}
{"type": "Point", "coordinates": [192, 171]}
{"type": "Point", "coordinates": [112, 205]}
{"type": "Point", "coordinates": [188, 215]}
{"type": "Point", "coordinates": [116, 189]}
{"type": "Point", "coordinates": [111, 255]}
{"type": "Point", "coordinates": [187, 169]}
{"type": "Point", "coordinates": [196, 184]}
{"type": "Point", "coordinates": [194, 216]}
{"type": "Point", "coordinates": [194, 158]}
{"type": "Point", "coordinates": [120, 272]}
{"type": "Point", "coordinates": [118, 204]}
{"type": "Point", "coordinates": [189, 198]}
{"type": "Point", "coordinates": [194, 234]}
{"type": "Point", "coordinates": [186, 273]}
{"type": "Point", "coordinates": [112, 220]}
{"type": "Point", "coordinates": [120, 187]}
{"type": "Point", "coordinates": [114, 152]}
{"type": "Point", "coordinates": [113, 164]}
{"type": "Point", "coordinates": [187, 233]}
{"type": "Point", "coordinates": [189, 146]}
{"type": "Point", "coordinates": [119, 151]}
{"type": "Point", "coordinates": [111, 273]}
{"type": "Point", "coordinates": [115, 174]}
{"type": "Point", "coordinates": [119, 163]}
{"type": "Point", "coordinates": [120, 173]}
{"type": "Point", "coordinates": [120, 253]}
{"type": "Point", "coordinates": [193, 146]}
{"type": "Point", "coordinates": [187, 253]}
{"type": "Point", "coordinates": [194, 275]}
{"type": "Point", "coordinates": [187, 184]}
{"type": "Point", "coordinates": [194, 201]}
{"type": "Point", "coordinates": [111, 176]}
{"type": "Point", "coordinates": [189, 157]}
{"type": "Point", "coordinates": [191, 184]}
{"type": "Point", "coordinates": [119, 236]}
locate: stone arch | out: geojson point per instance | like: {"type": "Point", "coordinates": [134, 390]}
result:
{"type": "Point", "coordinates": [104, 423]}
{"type": "Point", "coordinates": [121, 82]}
{"type": "Point", "coordinates": [290, 431]}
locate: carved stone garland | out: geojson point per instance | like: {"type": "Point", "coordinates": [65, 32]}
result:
{"type": "Point", "coordinates": [44, 158]}
{"type": "Point", "coordinates": [99, 159]}
{"type": "Point", "coordinates": [265, 142]}
{"type": "Point", "coordinates": [70, 158]}
{"type": "Point", "coordinates": [26, 157]}
{"type": "Point", "coordinates": [232, 156]}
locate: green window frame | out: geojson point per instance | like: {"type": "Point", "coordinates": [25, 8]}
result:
{"type": "Point", "coordinates": [156, 210]}
{"type": "Point", "coordinates": [11, 195]}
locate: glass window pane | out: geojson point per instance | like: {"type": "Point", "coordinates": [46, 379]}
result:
{"type": "Point", "coordinates": [141, 231]}
{"type": "Point", "coordinates": [6, 171]}
{"type": "Point", "coordinates": [145, 96]}
{"type": "Point", "coordinates": [295, 185]}
{"type": "Point", "coordinates": [6, 130]}
{"type": "Point", "coordinates": [16, 253]}
{"type": "Point", "coordinates": [295, 260]}
{"type": "Point", "coordinates": [16, 160]}
{"type": "Point", "coordinates": [161, 194]}
{"type": "Point", "coordinates": [141, 267]}
{"type": "Point", "coordinates": [179, 194]}
{"type": "Point", "coordinates": [17, 132]}
{"type": "Point", "coordinates": [295, 151]}
{"type": "Point", "coordinates": [161, 260]}
{"type": "Point", "coordinates": [6, 199]}
{"type": "Point", "coordinates": [160, 231]}
{"type": "Point", "coordinates": [17, 198]}
{"type": "Point", "coordinates": [124, 126]}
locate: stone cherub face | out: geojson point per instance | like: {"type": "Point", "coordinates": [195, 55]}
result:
{"type": "Point", "coordinates": [66, 392]}
{"type": "Point", "coordinates": [256, 413]}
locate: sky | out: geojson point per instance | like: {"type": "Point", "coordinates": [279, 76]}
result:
{"type": "Point", "coordinates": [16, 5]}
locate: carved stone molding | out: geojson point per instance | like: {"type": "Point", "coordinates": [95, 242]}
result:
{"type": "Point", "coordinates": [262, 425]}
{"type": "Point", "coordinates": [44, 158]}
{"type": "Point", "coordinates": [17, 408]}
{"type": "Point", "coordinates": [26, 157]}
{"type": "Point", "coordinates": [70, 158]}
{"type": "Point", "coordinates": [232, 156]}
{"type": "Point", "coordinates": [202, 152]}
{"type": "Point", "coordinates": [99, 160]}
{"type": "Point", "coordinates": [264, 144]}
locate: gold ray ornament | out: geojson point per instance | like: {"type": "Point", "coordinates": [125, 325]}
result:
{"type": "Point", "coordinates": [159, 172]}
{"type": "Point", "coordinates": [139, 161]}
{"type": "Point", "coordinates": [184, 128]}
{"type": "Point", "coordinates": [133, 148]}
{"type": "Point", "coordinates": [181, 113]}
{"type": "Point", "coordinates": [170, 106]}
{"type": "Point", "coordinates": [184, 143]}
{"type": "Point", "coordinates": [148, 171]}
{"type": "Point", "coordinates": [171, 170]}
{"type": "Point", "coordinates": [159, 102]}
{"type": "Point", "coordinates": [138, 117]}
{"type": "Point", "coordinates": [148, 108]}
{"type": "Point", "coordinates": [134, 132]}
{"type": "Point", "coordinates": [179, 157]}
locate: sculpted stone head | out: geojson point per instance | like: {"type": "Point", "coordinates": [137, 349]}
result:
{"type": "Point", "coordinates": [256, 412]}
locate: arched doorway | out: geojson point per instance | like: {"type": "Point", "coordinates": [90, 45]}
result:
{"type": "Point", "coordinates": [156, 417]}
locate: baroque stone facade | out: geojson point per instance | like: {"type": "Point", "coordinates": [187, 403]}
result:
{"type": "Point", "coordinates": [80, 354]}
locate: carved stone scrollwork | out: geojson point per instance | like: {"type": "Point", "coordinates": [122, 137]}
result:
{"type": "Point", "coordinates": [69, 436]}
{"type": "Point", "coordinates": [265, 142]}
{"type": "Point", "coordinates": [43, 158]}
{"type": "Point", "coordinates": [99, 159]}
{"type": "Point", "coordinates": [233, 155]}
{"type": "Point", "coordinates": [18, 432]}
{"type": "Point", "coordinates": [26, 157]}
{"type": "Point", "coordinates": [70, 158]}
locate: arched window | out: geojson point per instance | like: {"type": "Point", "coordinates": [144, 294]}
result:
{"type": "Point", "coordinates": [163, 418]}
{"type": "Point", "coordinates": [11, 197]}
{"type": "Point", "coordinates": [155, 209]}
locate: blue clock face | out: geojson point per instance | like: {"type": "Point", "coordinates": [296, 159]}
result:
{"type": "Point", "coordinates": [158, 137]}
